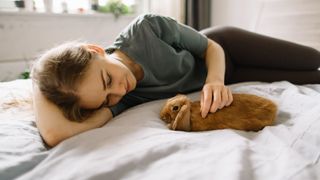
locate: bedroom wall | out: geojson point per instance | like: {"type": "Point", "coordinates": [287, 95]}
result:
{"type": "Point", "coordinates": [24, 35]}
{"type": "Point", "coordinates": [293, 20]}
{"type": "Point", "coordinates": [243, 14]}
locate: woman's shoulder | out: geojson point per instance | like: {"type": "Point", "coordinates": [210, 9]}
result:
{"type": "Point", "coordinates": [143, 20]}
{"type": "Point", "coordinates": [149, 17]}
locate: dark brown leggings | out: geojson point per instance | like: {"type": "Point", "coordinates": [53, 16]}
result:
{"type": "Point", "coordinates": [254, 57]}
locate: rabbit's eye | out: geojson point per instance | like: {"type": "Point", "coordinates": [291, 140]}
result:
{"type": "Point", "coordinates": [175, 108]}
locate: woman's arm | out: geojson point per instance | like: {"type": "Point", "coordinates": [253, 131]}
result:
{"type": "Point", "coordinates": [214, 93]}
{"type": "Point", "coordinates": [54, 127]}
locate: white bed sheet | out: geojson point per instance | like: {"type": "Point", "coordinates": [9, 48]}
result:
{"type": "Point", "coordinates": [21, 146]}
{"type": "Point", "coordinates": [137, 145]}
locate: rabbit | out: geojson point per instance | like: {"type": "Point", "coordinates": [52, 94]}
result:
{"type": "Point", "coordinates": [247, 112]}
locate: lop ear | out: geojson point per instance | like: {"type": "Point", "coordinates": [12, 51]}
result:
{"type": "Point", "coordinates": [182, 120]}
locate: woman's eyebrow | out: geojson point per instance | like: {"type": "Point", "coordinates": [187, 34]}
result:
{"type": "Point", "coordinates": [103, 80]}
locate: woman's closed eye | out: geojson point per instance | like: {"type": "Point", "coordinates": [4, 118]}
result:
{"type": "Point", "coordinates": [109, 81]}
{"type": "Point", "coordinates": [109, 84]}
{"type": "Point", "coordinates": [106, 82]}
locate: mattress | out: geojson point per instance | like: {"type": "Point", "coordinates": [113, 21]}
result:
{"type": "Point", "coordinates": [137, 144]}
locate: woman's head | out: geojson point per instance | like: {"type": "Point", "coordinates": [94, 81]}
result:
{"type": "Point", "coordinates": [80, 78]}
{"type": "Point", "coordinates": [58, 71]}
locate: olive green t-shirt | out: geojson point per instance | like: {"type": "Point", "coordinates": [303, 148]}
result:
{"type": "Point", "coordinates": [170, 54]}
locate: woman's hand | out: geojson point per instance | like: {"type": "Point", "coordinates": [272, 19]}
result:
{"type": "Point", "coordinates": [214, 95]}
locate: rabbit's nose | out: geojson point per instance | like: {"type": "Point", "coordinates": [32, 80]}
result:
{"type": "Point", "coordinates": [165, 118]}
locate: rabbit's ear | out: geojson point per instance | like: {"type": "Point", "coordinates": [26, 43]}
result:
{"type": "Point", "coordinates": [182, 120]}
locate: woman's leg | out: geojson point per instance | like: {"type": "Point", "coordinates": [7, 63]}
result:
{"type": "Point", "coordinates": [254, 57]}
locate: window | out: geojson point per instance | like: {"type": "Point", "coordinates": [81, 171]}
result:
{"type": "Point", "coordinates": [172, 8]}
{"type": "Point", "coordinates": [67, 6]}
{"type": "Point", "coordinates": [78, 6]}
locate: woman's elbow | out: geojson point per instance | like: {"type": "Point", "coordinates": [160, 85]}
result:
{"type": "Point", "coordinates": [51, 137]}
{"type": "Point", "coordinates": [213, 47]}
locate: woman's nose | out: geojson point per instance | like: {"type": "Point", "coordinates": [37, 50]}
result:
{"type": "Point", "coordinates": [118, 90]}
{"type": "Point", "coordinates": [115, 94]}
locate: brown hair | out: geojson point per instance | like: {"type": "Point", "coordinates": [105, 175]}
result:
{"type": "Point", "coordinates": [57, 73]}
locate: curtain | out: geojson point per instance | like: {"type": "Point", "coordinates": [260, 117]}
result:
{"type": "Point", "coordinates": [197, 13]}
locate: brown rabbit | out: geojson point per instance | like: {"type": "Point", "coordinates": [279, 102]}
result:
{"type": "Point", "coordinates": [247, 112]}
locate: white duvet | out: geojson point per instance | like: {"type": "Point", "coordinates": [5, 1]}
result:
{"type": "Point", "coordinates": [137, 145]}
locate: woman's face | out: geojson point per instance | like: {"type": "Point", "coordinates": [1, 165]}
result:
{"type": "Point", "coordinates": [106, 81]}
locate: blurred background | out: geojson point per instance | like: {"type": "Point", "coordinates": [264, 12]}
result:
{"type": "Point", "coordinates": [28, 27]}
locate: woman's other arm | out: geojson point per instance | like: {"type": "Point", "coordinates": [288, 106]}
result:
{"type": "Point", "coordinates": [54, 127]}
{"type": "Point", "coordinates": [215, 95]}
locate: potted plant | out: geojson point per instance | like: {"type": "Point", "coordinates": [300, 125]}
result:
{"type": "Point", "coordinates": [19, 4]}
{"type": "Point", "coordinates": [116, 7]}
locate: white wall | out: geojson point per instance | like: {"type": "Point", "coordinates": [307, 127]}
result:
{"type": "Point", "coordinates": [240, 13]}
{"type": "Point", "coordinates": [24, 35]}
{"type": "Point", "coordinates": [292, 20]}
{"type": "Point", "coordinates": [172, 8]}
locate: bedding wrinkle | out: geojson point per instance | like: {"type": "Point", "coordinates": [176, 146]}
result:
{"type": "Point", "coordinates": [283, 117]}
{"type": "Point", "coordinates": [247, 170]}
{"type": "Point", "coordinates": [138, 164]}
{"type": "Point", "coordinates": [305, 141]}
{"type": "Point", "coordinates": [302, 174]}
{"type": "Point", "coordinates": [21, 147]}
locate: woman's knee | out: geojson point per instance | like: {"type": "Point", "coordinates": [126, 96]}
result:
{"type": "Point", "coordinates": [220, 31]}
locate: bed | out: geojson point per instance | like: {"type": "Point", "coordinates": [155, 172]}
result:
{"type": "Point", "coordinates": [138, 145]}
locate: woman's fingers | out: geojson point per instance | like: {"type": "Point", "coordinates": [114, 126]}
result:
{"type": "Point", "coordinates": [216, 100]}
{"type": "Point", "coordinates": [230, 97]}
{"type": "Point", "coordinates": [224, 97]}
{"type": "Point", "coordinates": [214, 97]}
{"type": "Point", "coordinates": [206, 101]}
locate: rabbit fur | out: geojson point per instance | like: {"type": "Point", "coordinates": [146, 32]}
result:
{"type": "Point", "coordinates": [247, 112]}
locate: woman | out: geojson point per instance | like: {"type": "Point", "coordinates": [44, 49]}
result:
{"type": "Point", "coordinates": [79, 87]}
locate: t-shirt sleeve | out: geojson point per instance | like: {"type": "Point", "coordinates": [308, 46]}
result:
{"type": "Point", "coordinates": [177, 34]}
{"type": "Point", "coordinates": [129, 100]}
{"type": "Point", "coordinates": [118, 108]}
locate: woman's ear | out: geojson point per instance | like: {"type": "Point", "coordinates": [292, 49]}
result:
{"type": "Point", "coordinates": [96, 48]}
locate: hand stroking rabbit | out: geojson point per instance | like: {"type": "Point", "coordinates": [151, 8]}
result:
{"type": "Point", "coordinates": [247, 112]}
